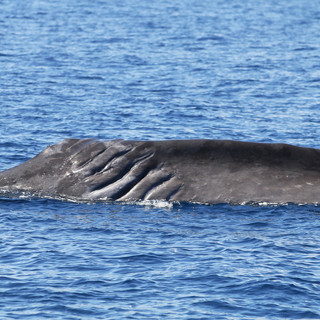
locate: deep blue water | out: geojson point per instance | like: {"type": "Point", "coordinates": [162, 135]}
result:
{"type": "Point", "coordinates": [137, 69]}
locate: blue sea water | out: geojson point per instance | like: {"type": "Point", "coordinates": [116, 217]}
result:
{"type": "Point", "coordinates": [241, 70]}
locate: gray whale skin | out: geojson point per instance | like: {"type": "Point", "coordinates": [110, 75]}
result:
{"type": "Point", "coordinates": [200, 171]}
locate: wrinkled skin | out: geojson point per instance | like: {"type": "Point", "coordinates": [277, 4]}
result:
{"type": "Point", "coordinates": [202, 171]}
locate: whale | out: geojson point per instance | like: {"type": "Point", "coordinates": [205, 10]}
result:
{"type": "Point", "coordinates": [197, 171]}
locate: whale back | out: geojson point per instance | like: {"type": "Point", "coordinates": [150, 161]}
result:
{"type": "Point", "coordinates": [203, 171]}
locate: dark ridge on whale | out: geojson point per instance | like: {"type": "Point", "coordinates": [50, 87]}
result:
{"type": "Point", "coordinates": [200, 171]}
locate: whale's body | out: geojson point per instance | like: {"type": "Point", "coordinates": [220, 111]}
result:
{"type": "Point", "coordinates": [202, 171]}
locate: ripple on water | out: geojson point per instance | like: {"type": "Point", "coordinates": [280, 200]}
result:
{"type": "Point", "coordinates": [241, 70]}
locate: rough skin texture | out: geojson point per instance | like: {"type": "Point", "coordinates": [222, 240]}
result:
{"type": "Point", "coordinates": [203, 171]}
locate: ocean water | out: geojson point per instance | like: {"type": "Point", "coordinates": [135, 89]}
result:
{"type": "Point", "coordinates": [241, 70]}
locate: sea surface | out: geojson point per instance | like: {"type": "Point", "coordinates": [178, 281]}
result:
{"type": "Point", "coordinates": [139, 69]}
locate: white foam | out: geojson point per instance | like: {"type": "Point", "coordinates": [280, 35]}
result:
{"type": "Point", "coordinates": [153, 203]}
